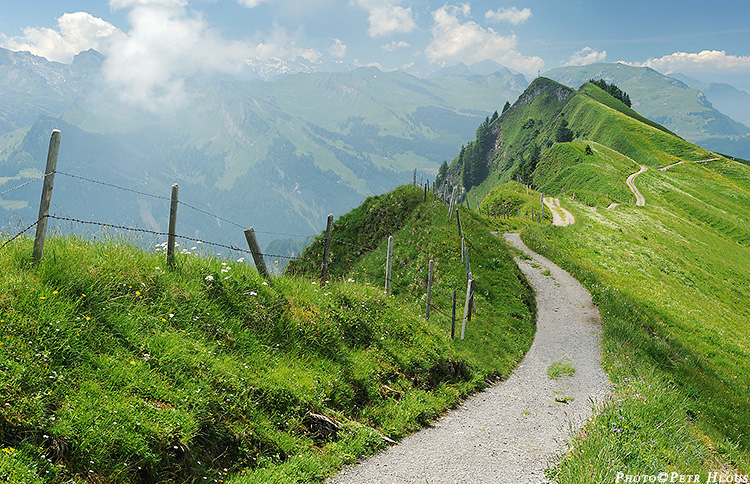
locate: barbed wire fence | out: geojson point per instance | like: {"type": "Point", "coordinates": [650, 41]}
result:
{"type": "Point", "coordinates": [456, 198]}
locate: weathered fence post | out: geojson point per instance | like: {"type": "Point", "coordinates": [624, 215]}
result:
{"type": "Point", "coordinates": [541, 200]}
{"type": "Point", "coordinates": [430, 273]}
{"type": "Point", "coordinates": [414, 181]}
{"type": "Point", "coordinates": [467, 306]}
{"type": "Point", "coordinates": [252, 242]}
{"type": "Point", "coordinates": [326, 250]}
{"type": "Point", "coordinates": [458, 221]}
{"type": "Point", "coordinates": [463, 248]}
{"type": "Point", "coordinates": [172, 226]}
{"type": "Point", "coordinates": [46, 199]}
{"type": "Point", "coordinates": [389, 265]}
{"type": "Point", "coordinates": [468, 265]}
{"type": "Point", "coordinates": [425, 193]}
{"type": "Point", "coordinates": [453, 318]}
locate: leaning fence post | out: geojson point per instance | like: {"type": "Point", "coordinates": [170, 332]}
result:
{"type": "Point", "coordinates": [389, 265]}
{"type": "Point", "coordinates": [326, 250]}
{"type": "Point", "coordinates": [430, 273]}
{"type": "Point", "coordinates": [172, 226]}
{"type": "Point", "coordinates": [453, 318]}
{"type": "Point", "coordinates": [49, 181]}
{"type": "Point", "coordinates": [467, 306]}
{"type": "Point", "coordinates": [425, 193]}
{"type": "Point", "coordinates": [260, 264]}
{"type": "Point", "coordinates": [468, 265]}
{"type": "Point", "coordinates": [414, 181]}
{"type": "Point", "coordinates": [458, 221]}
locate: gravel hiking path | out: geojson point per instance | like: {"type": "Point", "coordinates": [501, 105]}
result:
{"type": "Point", "coordinates": [512, 431]}
{"type": "Point", "coordinates": [560, 216]}
{"type": "Point", "coordinates": [665, 168]}
{"type": "Point", "coordinates": [639, 200]}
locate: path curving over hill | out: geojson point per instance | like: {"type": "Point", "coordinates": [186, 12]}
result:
{"type": "Point", "coordinates": [665, 168]}
{"type": "Point", "coordinates": [510, 432]}
{"type": "Point", "coordinates": [640, 201]}
{"type": "Point", "coordinates": [560, 216]}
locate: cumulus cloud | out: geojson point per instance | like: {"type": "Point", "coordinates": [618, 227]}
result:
{"type": "Point", "coordinates": [697, 62]}
{"type": "Point", "coordinates": [511, 15]}
{"type": "Point", "coordinates": [75, 33]}
{"type": "Point", "coordinates": [250, 3]}
{"type": "Point", "coordinates": [165, 45]}
{"type": "Point", "coordinates": [586, 56]}
{"type": "Point", "coordinates": [387, 18]}
{"type": "Point", "coordinates": [338, 49]}
{"type": "Point", "coordinates": [393, 46]}
{"type": "Point", "coordinates": [458, 40]}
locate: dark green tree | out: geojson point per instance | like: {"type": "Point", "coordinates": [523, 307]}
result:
{"type": "Point", "coordinates": [494, 117]}
{"type": "Point", "coordinates": [563, 134]}
{"type": "Point", "coordinates": [506, 107]}
{"type": "Point", "coordinates": [441, 174]}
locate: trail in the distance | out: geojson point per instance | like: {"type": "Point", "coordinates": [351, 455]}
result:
{"type": "Point", "coordinates": [640, 201]}
{"type": "Point", "coordinates": [560, 216]}
{"type": "Point", "coordinates": [510, 432]}
{"type": "Point", "coordinates": [665, 168]}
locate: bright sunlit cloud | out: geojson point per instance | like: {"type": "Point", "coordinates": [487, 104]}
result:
{"type": "Point", "coordinates": [511, 15]}
{"type": "Point", "coordinates": [75, 33]}
{"type": "Point", "coordinates": [387, 18]}
{"type": "Point", "coordinates": [697, 62]}
{"type": "Point", "coordinates": [457, 40]}
{"type": "Point", "coordinates": [586, 56]}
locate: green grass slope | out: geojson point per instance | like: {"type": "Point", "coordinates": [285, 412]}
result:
{"type": "Point", "coordinates": [116, 370]}
{"type": "Point", "coordinates": [671, 281]}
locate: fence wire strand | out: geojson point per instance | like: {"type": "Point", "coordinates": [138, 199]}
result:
{"type": "Point", "coordinates": [26, 183]}
{"type": "Point", "coordinates": [19, 234]}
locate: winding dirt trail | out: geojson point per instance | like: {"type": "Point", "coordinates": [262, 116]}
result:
{"type": "Point", "coordinates": [510, 432]}
{"type": "Point", "coordinates": [640, 201]}
{"type": "Point", "coordinates": [665, 168]}
{"type": "Point", "coordinates": [560, 216]}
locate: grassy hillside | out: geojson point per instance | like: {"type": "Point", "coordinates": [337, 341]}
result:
{"type": "Point", "coordinates": [115, 370]}
{"type": "Point", "coordinates": [670, 279]}
{"type": "Point", "coordinates": [671, 282]}
{"type": "Point", "coordinates": [662, 99]}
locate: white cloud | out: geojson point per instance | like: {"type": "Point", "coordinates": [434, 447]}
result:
{"type": "Point", "coordinates": [338, 49]}
{"type": "Point", "coordinates": [697, 62]}
{"type": "Point", "coordinates": [511, 15]}
{"type": "Point", "coordinates": [393, 46]}
{"type": "Point", "coordinates": [250, 3]}
{"type": "Point", "coordinates": [279, 45]}
{"type": "Point", "coordinates": [75, 33]}
{"type": "Point", "coordinates": [586, 56]}
{"type": "Point", "coordinates": [165, 45]}
{"type": "Point", "coordinates": [387, 18]}
{"type": "Point", "coordinates": [454, 40]}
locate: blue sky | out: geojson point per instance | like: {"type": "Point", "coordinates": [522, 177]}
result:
{"type": "Point", "coordinates": [706, 40]}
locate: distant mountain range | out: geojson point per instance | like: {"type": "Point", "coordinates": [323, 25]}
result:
{"type": "Point", "coordinates": [278, 155]}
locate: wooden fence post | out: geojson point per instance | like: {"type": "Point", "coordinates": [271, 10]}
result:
{"type": "Point", "coordinates": [453, 318]}
{"type": "Point", "coordinates": [326, 250]}
{"type": "Point", "coordinates": [46, 199]}
{"type": "Point", "coordinates": [172, 226]}
{"type": "Point", "coordinates": [414, 181]}
{"type": "Point", "coordinates": [467, 306]}
{"type": "Point", "coordinates": [463, 248]}
{"type": "Point", "coordinates": [252, 242]}
{"type": "Point", "coordinates": [430, 273]}
{"type": "Point", "coordinates": [468, 265]}
{"type": "Point", "coordinates": [458, 221]}
{"type": "Point", "coordinates": [425, 193]}
{"type": "Point", "coordinates": [389, 265]}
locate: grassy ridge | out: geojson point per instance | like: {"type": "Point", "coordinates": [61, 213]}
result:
{"type": "Point", "coordinates": [113, 369]}
{"type": "Point", "coordinates": [671, 283]}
